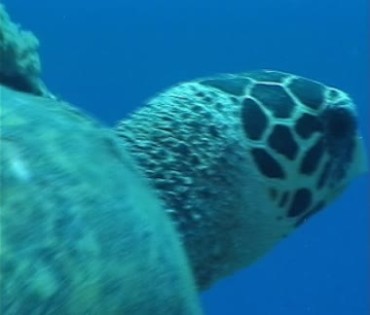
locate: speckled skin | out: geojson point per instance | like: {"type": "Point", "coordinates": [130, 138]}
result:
{"type": "Point", "coordinates": [81, 233]}
{"type": "Point", "coordinates": [241, 160]}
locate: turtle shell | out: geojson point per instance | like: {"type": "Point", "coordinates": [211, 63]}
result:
{"type": "Point", "coordinates": [81, 232]}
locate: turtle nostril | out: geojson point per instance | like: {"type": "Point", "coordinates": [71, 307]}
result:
{"type": "Point", "coordinates": [340, 122]}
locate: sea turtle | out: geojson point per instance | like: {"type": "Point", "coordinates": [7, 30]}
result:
{"type": "Point", "coordinates": [198, 183]}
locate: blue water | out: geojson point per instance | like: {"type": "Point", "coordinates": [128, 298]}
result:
{"type": "Point", "coordinates": [109, 56]}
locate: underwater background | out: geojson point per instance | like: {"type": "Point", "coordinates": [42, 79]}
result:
{"type": "Point", "coordinates": [109, 57]}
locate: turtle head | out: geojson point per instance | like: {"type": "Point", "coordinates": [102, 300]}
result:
{"type": "Point", "coordinates": [308, 147]}
{"type": "Point", "coordinates": [241, 160]}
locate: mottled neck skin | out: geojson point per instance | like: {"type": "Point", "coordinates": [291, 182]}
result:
{"type": "Point", "coordinates": [227, 159]}
{"type": "Point", "coordinates": [196, 166]}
